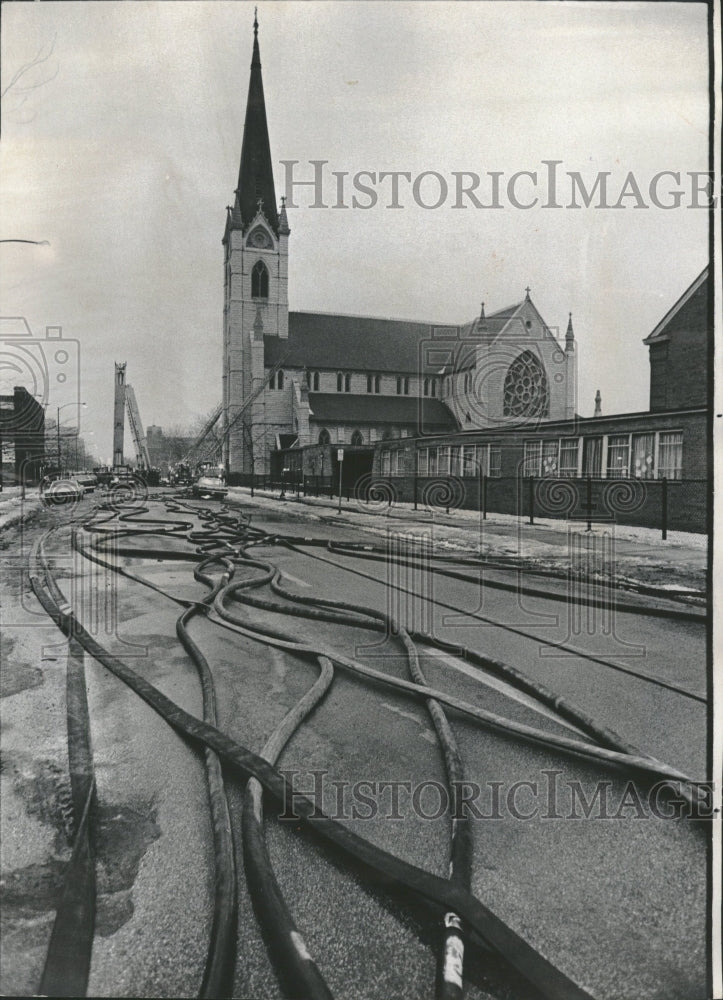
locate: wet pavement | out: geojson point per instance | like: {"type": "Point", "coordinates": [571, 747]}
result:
{"type": "Point", "coordinates": [617, 901]}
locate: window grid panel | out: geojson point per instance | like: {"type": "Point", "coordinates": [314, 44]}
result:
{"type": "Point", "coordinates": [670, 455]}
{"type": "Point", "coordinates": [642, 465]}
{"type": "Point", "coordinates": [618, 463]}
{"type": "Point", "coordinates": [569, 448]}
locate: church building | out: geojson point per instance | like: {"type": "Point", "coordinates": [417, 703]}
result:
{"type": "Point", "coordinates": [294, 379]}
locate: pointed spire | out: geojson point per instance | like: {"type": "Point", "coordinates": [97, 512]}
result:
{"type": "Point", "coordinates": [256, 176]}
{"type": "Point", "coordinates": [598, 404]}
{"type": "Point", "coordinates": [527, 293]}
{"type": "Point", "coordinates": [482, 321]}
{"type": "Point", "coordinates": [570, 336]}
{"type": "Point", "coordinates": [283, 221]}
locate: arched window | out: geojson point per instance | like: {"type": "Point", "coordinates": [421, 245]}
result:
{"type": "Point", "coordinates": [377, 383]}
{"type": "Point", "coordinates": [339, 381]}
{"type": "Point", "coordinates": [426, 387]}
{"type": "Point", "coordinates": [526, 393]}
{"type": "Point", "coordinates": [315, 381]}
{"type": "Point", "coordinates": [399, 385]}
{"type": "Point", "coordinates": [434, 386]}
{"type": "Point", "coordinates": [406, 386]}
{"type": "Point", "coordinates": [357, 438]}
{"type": "Point", "coordinates": [272, 381]}
{"type": "Point", "coordinates": [369, 383]}
{"type": "Point", "coordinates": [347, 383]}
{"type": "Point", "coordinates": [279, 379]}
{"type": "Point", "coordinates": [324, 436]}
{"type": "Point", "coordinates": [387, 435]}
{"type": "Point", "coordinates": [260, 281]}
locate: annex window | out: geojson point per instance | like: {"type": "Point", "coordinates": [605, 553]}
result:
{"type": "Point", "coordinates": [347, 382]}
{"type": "Point", "coordinates": [394, 463]}
{"type": "Point", "coordinates": [406, 386]}
{"type": "Point", "coordinates": [549, 458]}
{"type": "Point", "coordinates": [386, 463]}
{"type": "Point", "coordinates": [495, 464]}
{"type": "Point", "coordinates": [426, 387]}
{"type": "Point", "coordinates": [533, 457]}
{"type": "Point", "coordinates": [324, 436]}
{"type": "Point", "coordinates": [399, 385]}
{"type": "Point", "coordinates": [670, 455]}
{"type": "Point", "coordinates": [280, 379]}
{"type": "Point", "coordinates": [433, 387]}
{"type": "Point", "coordinates": [432, 471]}
{"type": "Point", "coordinates": [422, 462]}
{"type": "Point", "coordinates": [377, 383]}
{"type": "Point", "coordinates": [525, 390]}
{"type": "Point", "coordinates": [469, 465]}
{"type": "Point", "coordinates": [443, 463]}
{"type": "Point", "coordinates": [455, 467]}
{"type": "Point", "coordinates": [339, 382]}
{"type": "Point", "coordinates": [592, 456]}
{"type": "Point", "coordinates": [642, 464]}
{"type": "Point", "coordinates": [370, 383]}
{"type": "Point", "coordinates": [259, 281]}
{"type": "Point", "coordinates": [357, 438]}
{"type": "Point", "coordinates": [315, 381]}
{"type": "Point", "coordinates": [569, 449]}
{"type": "Point", "coordinates": [618, 465]}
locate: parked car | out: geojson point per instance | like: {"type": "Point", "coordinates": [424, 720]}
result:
{"type": "Point", "coordinates": [62, 491]}
{"type": "Point", "coordinates": [210, 487]}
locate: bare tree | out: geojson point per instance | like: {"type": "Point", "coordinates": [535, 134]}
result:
{"type": "Point", "coordinates": [29, 78]}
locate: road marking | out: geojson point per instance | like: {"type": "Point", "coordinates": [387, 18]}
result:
{"type": "Point", "coordinates": [426, 734]}
{"type": "Point", "coordinates": [295, 579]}
{"type": "Point", "coordinates": [503, 687]}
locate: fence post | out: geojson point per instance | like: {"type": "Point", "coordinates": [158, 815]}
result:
{"type": "Point", "coordinates": [532, 499]}
{"type": "Point", "coordinates": [664, 511]}
{"type": "Point", "coordinates": [588, 502]}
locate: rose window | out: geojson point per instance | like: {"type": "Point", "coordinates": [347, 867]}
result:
{"type": "Point", "coordinates": [526, 388]}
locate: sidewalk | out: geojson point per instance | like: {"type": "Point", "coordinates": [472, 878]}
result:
{"type": "Point", "coordinates": [12, 506]}
{"type": "Point", "coordinates": [639, 555]}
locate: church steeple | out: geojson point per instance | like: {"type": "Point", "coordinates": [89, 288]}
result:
{"type": "Point", "coordinates": [256, 177]}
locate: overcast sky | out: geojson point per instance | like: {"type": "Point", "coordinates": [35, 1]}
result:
{"type": "Point", "coordinates": [122, 150]}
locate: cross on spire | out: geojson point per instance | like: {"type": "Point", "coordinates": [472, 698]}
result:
{"type": "Point", "coordinates": [527, 292]}
{"type": "Point", "coordinates": [256, 21]}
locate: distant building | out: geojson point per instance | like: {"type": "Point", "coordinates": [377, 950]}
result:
{"type": "Point", "coordinates": [301, 378]}
{"type": "Point", "coordinates": [22, 437]}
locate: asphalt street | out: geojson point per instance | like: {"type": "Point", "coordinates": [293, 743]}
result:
{"type": "Point", "coordinates": [615, 899]}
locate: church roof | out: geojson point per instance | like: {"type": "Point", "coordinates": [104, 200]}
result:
{"type": "Point", "coordinates": [341, 407]}
{"type": "Point", "coordinates": [367, 343]}
{"type": "Point", "coordinates": [256, 176]}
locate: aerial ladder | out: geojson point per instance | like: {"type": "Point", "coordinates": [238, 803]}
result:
{"type": "Point", "coordinates": [119, 412]}
{"type": "Point", "coordinates": [139, 438]}
{"type": "Point", "coordinates": [124, 400]}
{"type": "Point", "coordinates": [215, 445]}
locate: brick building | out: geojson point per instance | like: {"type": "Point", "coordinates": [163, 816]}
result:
{"type": "Point", "coordinates": [22, 437]}
{"type": "Point", "coordinates": [316, 379]}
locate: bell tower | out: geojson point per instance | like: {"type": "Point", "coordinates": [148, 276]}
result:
{"type": "Point", "coordinates": [256, 272]}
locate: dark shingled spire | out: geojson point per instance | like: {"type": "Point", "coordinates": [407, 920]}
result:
{"type": "Point", "coordinates": [256, 176]}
